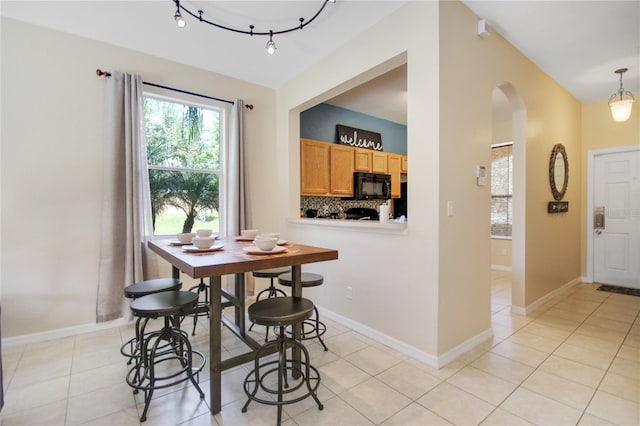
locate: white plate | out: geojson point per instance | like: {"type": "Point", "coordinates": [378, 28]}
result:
{"type": "Point", "coordinates": [255, 250]}
{"type": "Point", "coordinates": [194, 249]}
{"type": "Point", "coordinates": [282, 242]}
{"type": "Point", "coordinates": [178, 243]}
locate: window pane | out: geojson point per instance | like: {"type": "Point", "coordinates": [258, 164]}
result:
{"type": "Point", "coordinates": [501, 190]}
{"type": "Point", "coordinates": [182, 140]}
{"type": "Point", "coordinates": [501, 216]}
{"type": "Point", "coordinates": [184, 201]}
{"type": "Point", "coordinates": [182, 136]}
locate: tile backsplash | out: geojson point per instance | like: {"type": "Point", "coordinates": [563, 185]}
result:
{"type": "Point", "coordinates": [332, 204]}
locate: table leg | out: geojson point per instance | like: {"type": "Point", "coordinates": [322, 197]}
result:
{"type": "Point", "coordinates": [239, 308]}
{"type": "Point", "coordinates": [215, 346]}
{"type": "Point", "coordinates": [296, 291]}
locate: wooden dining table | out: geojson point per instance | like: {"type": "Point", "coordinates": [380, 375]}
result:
{"type": "Point", "coordinates": [233, 259]}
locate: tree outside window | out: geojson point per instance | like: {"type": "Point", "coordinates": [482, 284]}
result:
{"type": "Point", "coordinates": [183, 150]}
{"type": "Point", "coordinates": [501, 189]}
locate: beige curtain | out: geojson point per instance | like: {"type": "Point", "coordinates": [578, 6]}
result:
{"type": "Point", "coordinates": [236, 182]}
{"type": "Point", "coordinates": [126, 207]}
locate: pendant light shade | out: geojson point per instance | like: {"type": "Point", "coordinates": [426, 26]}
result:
{"type": "Point", "coordinates": [621, 109]}
{"type": "Point", "coordinates": [621, 102]}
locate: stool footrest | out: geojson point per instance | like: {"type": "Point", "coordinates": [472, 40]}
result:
{"type": "Point", "coordinates": [165, 359]}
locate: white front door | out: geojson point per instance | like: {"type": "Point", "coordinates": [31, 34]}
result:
{"type": "Point", "coordinates": [616, 241]}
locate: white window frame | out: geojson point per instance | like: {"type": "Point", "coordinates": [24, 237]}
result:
{"type": "Point", "coordinates": [496, 236]}
{"type": "Point", "coordinates": [224, 110]}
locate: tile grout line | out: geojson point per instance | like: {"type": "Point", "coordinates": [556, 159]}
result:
{"type": "Point", "coordinates": [610, 363]}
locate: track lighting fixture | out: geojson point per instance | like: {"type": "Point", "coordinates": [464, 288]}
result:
{"type": "Point", "coordinates": [271, 45]}
{"type": "Point", "coordinates": [621, 107]}
{"type": "Point", "coordinates": [178, 16]}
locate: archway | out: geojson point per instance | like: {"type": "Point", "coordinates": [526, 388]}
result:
{"type": "Point", "coordinates": [518, 117]}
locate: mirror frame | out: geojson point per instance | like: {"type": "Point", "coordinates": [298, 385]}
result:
{"type": "Point", "coordinates": [558, 150]}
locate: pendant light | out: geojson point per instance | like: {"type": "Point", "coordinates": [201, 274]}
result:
{"type": "Point", "coordinates": [621, 101]}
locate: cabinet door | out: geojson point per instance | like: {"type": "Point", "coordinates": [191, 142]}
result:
{"type": "Point", "coordinates": [341, 161]}
{"type": "Point", "coordinates": [405, 164]}
{"type": "Point", "coordinates": [394, 165]}
{"type": "Point", "coordinates": [379, 162]}
{"type": "Point", "coordinates": [363, 160]}
{"type": "Point", "coordinates": [314, 167]}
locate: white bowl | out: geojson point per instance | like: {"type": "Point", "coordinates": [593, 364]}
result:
{"type": "Point", "coordinates": [204, 232]}
{"type": "Point", "coordinates": [265, 243]}
{"type": "Point", "coordinates": [275, 235]}
{"type": "Point", "coordinates": [203, 242]}
{"type": "Point", "coordinates": [249, 233]}
{"type": "Point", "coordinates": [185, 237]}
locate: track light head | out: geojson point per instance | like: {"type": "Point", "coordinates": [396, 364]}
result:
{"type": "Point", "coordinates": [271, 46]}
{"type": "Point", "coordinates": [178, 16]}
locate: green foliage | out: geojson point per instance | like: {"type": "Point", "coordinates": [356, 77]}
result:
{"type": "Point", "coordinates": [186, 138]}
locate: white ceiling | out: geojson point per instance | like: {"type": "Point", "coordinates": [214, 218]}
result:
{"type": "Point", "coordinates": [578, 43]}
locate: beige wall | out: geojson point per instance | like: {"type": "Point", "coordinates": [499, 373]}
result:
{"type": "Point", "coordinates": [551, 243]}
{"type": "Point", "coordinates": [394, 277]}
{"type": "Point", "coordinates": [599, 131]}
{"type": "Point", "coordinates": [52, 103]}
{"type": "Point", "coordinates": [501, 253]}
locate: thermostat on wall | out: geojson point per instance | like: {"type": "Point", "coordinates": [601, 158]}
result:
{"type": "Point", "coordinates": [481, 175]}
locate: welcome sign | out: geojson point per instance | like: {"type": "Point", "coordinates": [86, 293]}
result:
{"type": "Point", "coordinates": [359, 138]}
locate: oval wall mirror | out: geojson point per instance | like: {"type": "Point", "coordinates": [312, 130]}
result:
{"type": "Point", "coordinates": [558, 171]}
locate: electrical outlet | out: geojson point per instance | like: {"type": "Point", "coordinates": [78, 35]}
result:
{"type": "Point", "coordinates": [349, 293]}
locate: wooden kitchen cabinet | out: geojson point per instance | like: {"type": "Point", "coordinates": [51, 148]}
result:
{"type": "Point", "coordinates": [341, 160]}
{"type": "Point", "coordinates": [379, 162]}
{"type": "Point", "coordinates": [394, 166]}
{"type": "Point", "coordinates": [405, 164]}
{"type": "Point", "coordinates": [326, 169]}
{"type": "Point", "coordinates": [363, 158]}
{"type": "Point", "coordinates": [314, 167]}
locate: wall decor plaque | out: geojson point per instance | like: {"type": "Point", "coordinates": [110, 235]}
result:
{"type": "Point", "coordinates": [359, 138]}
{"type": "Point", "coordinates": [558, 207]}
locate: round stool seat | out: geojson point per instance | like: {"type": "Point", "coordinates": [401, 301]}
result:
{"type": "Point", "coordinates": [270, 273]}
{"type": "Point", "coordinates": [281, 311]}
{"type": "Point", "coordinates": [144, 288]}
{"type": "Point", "coordinates": [165, 303]}
{"type": "Point", "coordinates": [309, 279]}
{"type": "Point", "coordinates": [271, 377]}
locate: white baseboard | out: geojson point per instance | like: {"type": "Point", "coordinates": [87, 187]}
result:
{"type": "Point", "coordinates": [26, 339]}
{"type": "Point", "coordinates": [544, 299]}
{"type": "Point", "coordinates": [431, 360]}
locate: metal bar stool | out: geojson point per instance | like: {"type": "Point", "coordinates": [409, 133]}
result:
{"type": "Point", "coordinates": [271, 291]}
{"type": "Point", "coordinates": [178, 360]}
{"type": "Point", "coordinates": [131, 348]}
{"type": "Point", "coordinates": [311, 328]}
{"type": "Point", "coordinates": [202, 307]}
{"type": "Point", "coordinates": [281, 312]}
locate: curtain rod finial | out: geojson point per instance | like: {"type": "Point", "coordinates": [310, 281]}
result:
{"type": "Point", "coordinates": [100, 73]}
{"type": "Point", "coordinates": [249, 106]}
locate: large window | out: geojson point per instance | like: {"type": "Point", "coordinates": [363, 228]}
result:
{"type": "Point", "coordinates": [183, 150]}
{"type": "Point", "coordinates": [501, 189]}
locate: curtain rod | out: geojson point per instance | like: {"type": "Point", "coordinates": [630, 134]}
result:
{"type": "Point", "coordinates": [101, 73]}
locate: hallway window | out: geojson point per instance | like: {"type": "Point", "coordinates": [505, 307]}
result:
{"type": "Point", "coordinates": [501, 189]}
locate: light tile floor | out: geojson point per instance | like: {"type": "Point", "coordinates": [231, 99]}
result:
{"type": "Point", "coordinates": [576, 361]}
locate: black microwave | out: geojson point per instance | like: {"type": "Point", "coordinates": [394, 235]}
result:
{"type": "Point", "coordinates": [371, 186]}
